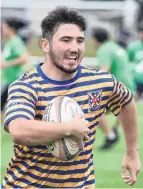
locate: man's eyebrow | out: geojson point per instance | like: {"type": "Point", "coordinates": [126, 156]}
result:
{"type": "Point", "coordinates": [68, 37]}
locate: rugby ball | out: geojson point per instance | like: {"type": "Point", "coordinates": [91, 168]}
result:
{"type": "Point", "coordinates": [61, 109]}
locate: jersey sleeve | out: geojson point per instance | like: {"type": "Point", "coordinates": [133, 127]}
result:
{"type": "Point", "coordinates": [21, 103]}
{"type": "Point", "coordinates": [120, 96]}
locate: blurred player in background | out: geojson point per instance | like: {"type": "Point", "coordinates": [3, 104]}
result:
{"type": "Point", "coordinates": [14, 55]}
{"type": "Point", "coordinates": [135, 53]}
{"type": "Point", "coordinates": [114, 59]}
{"type": "Point", "coordinates": [123, 38]}
{"type": "Point", "coordinates": [61, 74]}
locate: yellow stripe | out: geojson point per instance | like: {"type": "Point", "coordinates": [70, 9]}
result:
{"type": "Point", "coordinates": [48, 184]}
{"type": "Point", "coordinates": [80, 88]}
{"type": "Point", "coordinates": [53, 176]}
{"type": "Point", "coordinates": [19, 113]}
{"type": "Point", "coordinates": [28, 89]}
{"type": "Point", "coordinates": [82, 79]}
{"type": "Point", "coordinates": [116, 111]}
{"type": "Point", "coordinates": [21, 95]}
{"type": "Point", "coordinates": [50, 159]}
{"type": "Point", "coordinates": [119, 104]}
{"type": "Point", "coordinates": [16, 107]}
{"type": "Point", "coordinates": [5, 184]}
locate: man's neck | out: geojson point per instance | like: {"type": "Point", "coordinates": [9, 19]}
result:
{"type": "Point", "coordinates": [54, 73]}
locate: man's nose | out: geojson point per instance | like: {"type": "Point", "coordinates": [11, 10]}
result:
{"type": "Point", "coordinates": [74, 46]}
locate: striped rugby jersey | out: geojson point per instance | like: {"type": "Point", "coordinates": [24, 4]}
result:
{"type": "Point", "coordinates": [34, 166]}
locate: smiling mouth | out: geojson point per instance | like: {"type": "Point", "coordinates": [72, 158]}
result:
{"type": "Point", "coordinates": [71, 57]}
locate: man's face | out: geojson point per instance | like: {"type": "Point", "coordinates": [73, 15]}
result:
{"type": "Point", "coordinates": [5, 29]}
{"type": "Point", "coordinates": [67, 47]}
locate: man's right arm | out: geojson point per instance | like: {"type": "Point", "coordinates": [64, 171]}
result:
{"type": "Point", "coordinates": [21, 124]}
{"type": "Point", "coordinates": [34, 132]}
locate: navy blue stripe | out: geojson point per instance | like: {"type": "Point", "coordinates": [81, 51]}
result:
{"type": "Point", "coordinates": [20, 110]}
{"type": "Point", "coordinates": [21, 98]}
{"type": "Point", "coordinates": [121, 99]}
{"type": "Point", "coordinates": [125, 97]}
{"type": "Point", "coordinates": [41, 73]}
{"type": "Point", "coordinates": [80, 102]}
{"type": "Point", "coordinates": [14, 117]}
{"type": "Point", "coordinates": [86, 183]}
{"type": "Point", "coordinates": [118, 97]}
{"type": "Point", "coordinates": [22, 160]}
{"type": "Point", "coordinates": [122, 106]}
{"type": "Point", "coordinates": [20, 102]}
{"type": "Point", "coordinates": [52, 171]}
{"type": "Point", "coordinates": [128, 101]}
{"type": "Point", "coordinates": [16, 178]}
{"type": "Point", "coordinates": [90, 142]}
{"type": "Point", "coordinates": [76, 85]}
{"type": "Point", "coordinates": [24, 84]}
{"type": "Point", "coordinates": [52, 180]}
{"type": "Point", "coordinates": [117, 102]}
{"type": "Point", "coordinates": [11, 184]}
{"type": "Point", "coordinates": [83, 75]}
{"type": "Point", "coordinates": [22, 92]}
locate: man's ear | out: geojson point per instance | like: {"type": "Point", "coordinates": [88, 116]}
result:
{"type": "Point", "coordinates": [45, 45]}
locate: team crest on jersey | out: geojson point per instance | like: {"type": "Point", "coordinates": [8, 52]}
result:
{"type": "Point", "coordinates": [94, 99]}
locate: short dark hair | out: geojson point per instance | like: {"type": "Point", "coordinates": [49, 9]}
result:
{"type": "Point", "coordinates": [61, 15]}
{"type": "Point", "coordinates": [16, 23]}
{"type": "Point", "coordinates": [100, 34]}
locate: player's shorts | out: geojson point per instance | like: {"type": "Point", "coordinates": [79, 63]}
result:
{"type": "Point", "coordinates": [4, 95]}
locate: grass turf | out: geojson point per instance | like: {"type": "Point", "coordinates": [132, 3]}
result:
{"type": "Point", "coordinates": [107, 163]}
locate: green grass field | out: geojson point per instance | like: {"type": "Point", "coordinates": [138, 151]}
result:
{"type": "Point", "coordinates": [108, 164]}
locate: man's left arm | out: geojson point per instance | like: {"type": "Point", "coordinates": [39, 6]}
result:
{"type": "Point", "coordinates": [131, 161]}
{"type": "Point", "coordinates": [122, 104]}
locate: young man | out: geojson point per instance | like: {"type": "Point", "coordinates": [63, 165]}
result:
{"type": "Point", "coordinates": [14, 55]}
{"type": "Point", "coordinates": [61, 74]}
{"type": "Point", "coordinates": [113, 58]}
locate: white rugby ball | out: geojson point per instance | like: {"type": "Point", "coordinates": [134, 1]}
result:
{"type": "Point", "coordinates": [60, 109]}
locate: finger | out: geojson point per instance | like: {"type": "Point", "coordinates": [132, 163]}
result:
{"type": "Point", "coordinates": [124, 171]}
{"type": "Point", "coordinates": [127, 180]}
{"type": "Point", "coordinates": [133, 175]}
{"type": "Point", "coordinates": [125, 176]}
{"type": "Point", "coordinates": [81, 144]}
{"type": "Point", "coordinates": [131, 183]}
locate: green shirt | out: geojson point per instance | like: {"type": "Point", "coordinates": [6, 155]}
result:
{"type": "Point", "coordinates": [135, 53]}
{"type": "Point", "coordinates": [115, 57]}
{"type": "Point", "coordinates": [14, 48]}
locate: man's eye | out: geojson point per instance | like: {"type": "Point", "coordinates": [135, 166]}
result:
{"type": "Point", "coordinates": [66, 40]}
{"type": "Point", "coordinates": [80, 41]}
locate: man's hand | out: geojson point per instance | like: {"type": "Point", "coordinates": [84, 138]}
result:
{"type": "Point", "coordinates": [131, 166]}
